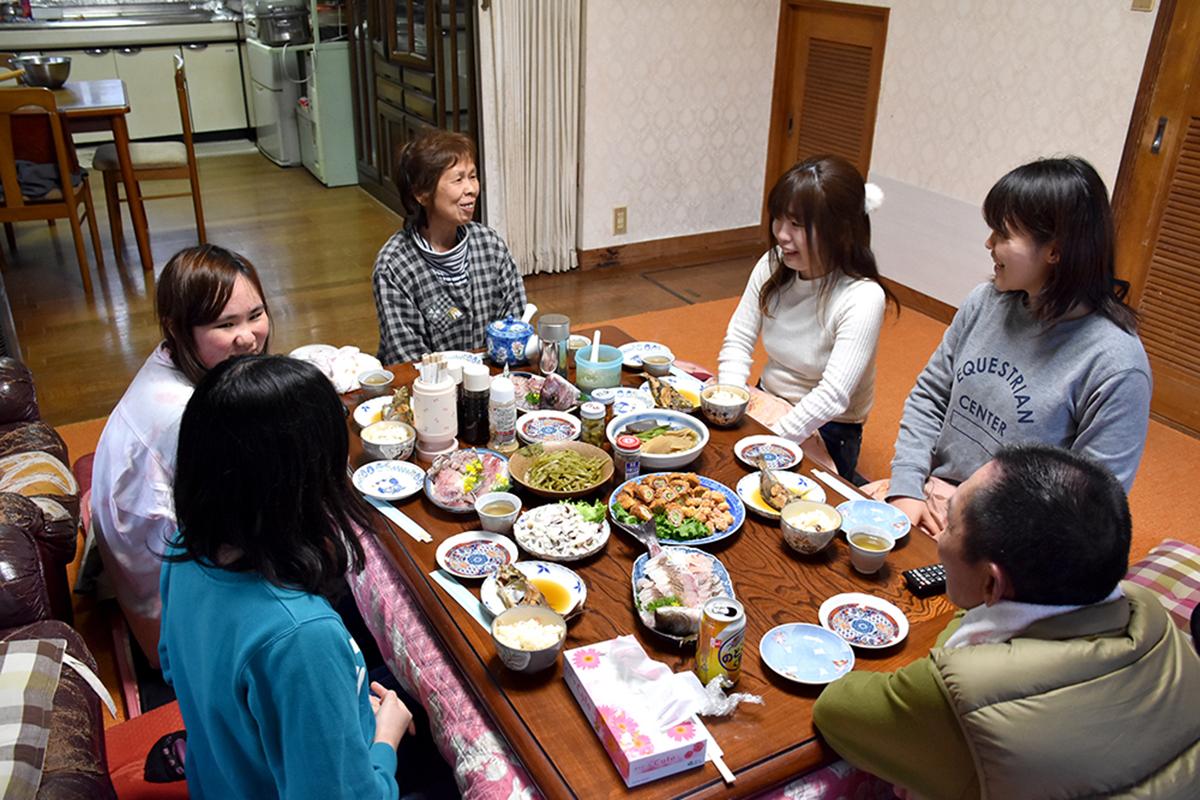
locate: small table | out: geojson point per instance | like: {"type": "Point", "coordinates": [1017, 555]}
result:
{"type": "Point", "coordinates": [765, 745]}
{"type": "Point", "coordinates": [99, 106]}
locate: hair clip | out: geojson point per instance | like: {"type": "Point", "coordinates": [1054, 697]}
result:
{"type": "Point", "coordinates": [873, 198]}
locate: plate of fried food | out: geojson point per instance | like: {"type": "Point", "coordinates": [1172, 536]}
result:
{"type": "Point", "coordinates": [686, 508]}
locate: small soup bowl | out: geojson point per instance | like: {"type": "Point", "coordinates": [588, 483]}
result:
{"type": "Point", "coordinates": [869, 547]}
{"type": "Point", "coordinates": [375, 382]}
{"type": "Point", "coordinates": [492, 517]}
{"type": "Point", "coordinates": [658, 364]}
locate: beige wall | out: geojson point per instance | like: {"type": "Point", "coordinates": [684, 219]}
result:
{"type": "Point", "coordinates": [676, 101]}
{"type": "Point", "coordinates": [974, 88]}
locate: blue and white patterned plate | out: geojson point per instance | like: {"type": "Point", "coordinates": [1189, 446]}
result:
{"type": "Point", "coordinates": [370, 411]}
{"type": "Point", "coordinates": [475, 554]}
{"type": "Point", "coordinates": [639, 572]}
{"type": "Point", "coordinates": [632, 353]}
{"type": "Point", "coordinates": [863, 620]}
{"type": "Point", "coordinates": [389, 480]}
{"type": "Point", "coordinates": [564, 576]}
{"type": "Point", "coordinates": [779, 453]}
{"type": "Point", "coordinates": [806, 653]}
{"type": "Point", "coordinates": [548, 426]}
{"type": "Point", "coordinates": [737, 510]}
{"type": "Point", "coordinates": [624, 399]}
{"type": "Point", "coordinates": [874, 514]}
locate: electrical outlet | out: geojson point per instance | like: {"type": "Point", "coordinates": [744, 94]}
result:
{"type": "Point", "coordinates": [1142, 5]}
{"type": "Point", "coordinates": [620, 220]}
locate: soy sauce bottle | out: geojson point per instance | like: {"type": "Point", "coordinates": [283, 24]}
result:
{"type": "Point", "coordinates": [473, 404]}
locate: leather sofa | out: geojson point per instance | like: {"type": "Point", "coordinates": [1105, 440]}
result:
{"type": "Point", "coordinates": [37, 541]}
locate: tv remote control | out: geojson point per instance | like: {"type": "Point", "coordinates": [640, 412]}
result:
{"type": "Point", "coordinates": [926, 581]}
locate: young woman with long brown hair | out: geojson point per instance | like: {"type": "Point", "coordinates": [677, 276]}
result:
{"type": "Point", "coordinates": [816, 300]}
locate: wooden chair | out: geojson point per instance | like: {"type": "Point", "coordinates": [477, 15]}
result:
{"type": "Point", "coordinates": [62, 201]}
{"type": "Point", "coordinates": [154, 161]}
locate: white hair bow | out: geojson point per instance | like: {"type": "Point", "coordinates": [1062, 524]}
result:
{"type": "Point", "coordinates": [873, 199]}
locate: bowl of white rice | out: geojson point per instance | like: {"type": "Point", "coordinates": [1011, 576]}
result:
{"type": "Point", "coordinates": [390, 440]}
{"type": "Point", "coordinates": [528, 638]}
{"type": "Point", "coordinates": [808, 525]}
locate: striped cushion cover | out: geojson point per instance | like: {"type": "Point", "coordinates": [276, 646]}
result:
{"type": "Point", "coordinates": [1172, 571]}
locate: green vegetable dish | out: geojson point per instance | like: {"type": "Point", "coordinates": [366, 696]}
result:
{"type": "Point", "coordinates": [669, 528]}
{"type": "Point", "coordinates": [564, 471]}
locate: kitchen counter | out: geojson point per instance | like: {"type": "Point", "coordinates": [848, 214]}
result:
{"type": "Point", "coordinates": [126, 25]}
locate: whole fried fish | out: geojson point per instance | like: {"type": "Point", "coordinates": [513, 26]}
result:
{"type": "Point", "coordinates": [516, 590]}
{"type": "Point", "coordinates": [665, 395]}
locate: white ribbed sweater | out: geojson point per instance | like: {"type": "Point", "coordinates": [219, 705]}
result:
{"type": "Point", "coordinates": [820, 359]}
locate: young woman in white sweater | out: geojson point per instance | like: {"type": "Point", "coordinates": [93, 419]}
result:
{"type": "Point", "coordinates": [817, 301]}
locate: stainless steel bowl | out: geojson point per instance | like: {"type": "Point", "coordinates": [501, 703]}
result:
{"type": "Point", "coordinates": [48, 71]}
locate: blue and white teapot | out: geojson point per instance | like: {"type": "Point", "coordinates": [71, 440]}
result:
{"type": "Point", "coordinates": [512, 341]}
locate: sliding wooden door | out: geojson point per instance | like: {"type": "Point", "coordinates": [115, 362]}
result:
{"type": "Point", "coordinates": [828, 65]}
{"type": "Point", "coordinates": [1157, 206]}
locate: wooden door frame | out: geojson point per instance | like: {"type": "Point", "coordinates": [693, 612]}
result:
{"type": "Point", "coordinates": [779, 90]}
{"type": "Point", "coordinates": [1126, 194]}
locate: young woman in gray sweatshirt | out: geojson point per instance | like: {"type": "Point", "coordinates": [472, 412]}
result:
{"type": "Point", "coordinates": [1046, 352]}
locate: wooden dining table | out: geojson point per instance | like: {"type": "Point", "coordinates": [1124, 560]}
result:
{"type": "Point", "coordinates": [101, 105]}
{"type": "Point", "coordinates": [764, 745]}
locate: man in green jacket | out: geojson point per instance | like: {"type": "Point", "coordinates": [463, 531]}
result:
{"type": "Point", "coordinates": [1057, 679]}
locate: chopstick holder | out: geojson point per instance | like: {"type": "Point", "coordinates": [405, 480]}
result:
{"type": "Point", "coordinates": [462, 595]}
{"type": "Point", "coordinates": [402, 520]}
{"type": "Point", "coordinates": [838, 485]}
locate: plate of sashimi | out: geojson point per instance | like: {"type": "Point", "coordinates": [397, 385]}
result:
{"type": "Point", "coordinates": [670, 590]}
{"type": "Point", "coordinates": [456, 479]}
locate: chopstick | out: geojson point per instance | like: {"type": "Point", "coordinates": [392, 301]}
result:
{"type": "Point", "coordinates": [838, 485]}
{"type": "Point", "coordinates": [723, 768]}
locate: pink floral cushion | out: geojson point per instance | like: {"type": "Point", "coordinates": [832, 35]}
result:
{"type": "Point", "coordinates": [484, 766]}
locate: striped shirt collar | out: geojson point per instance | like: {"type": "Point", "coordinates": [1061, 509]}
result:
{"type": "Point", "coordinates": [450, 267]}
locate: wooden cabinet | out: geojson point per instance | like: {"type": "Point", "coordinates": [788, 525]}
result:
{"type": "Point", "coordinates": [412, 66]}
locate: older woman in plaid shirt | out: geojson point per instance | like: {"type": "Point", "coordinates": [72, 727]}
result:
{"type": "Point", "coordinates": [441, 279]}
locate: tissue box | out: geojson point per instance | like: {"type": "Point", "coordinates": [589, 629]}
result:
{"type": "Point", "coordinates": [639, 749]}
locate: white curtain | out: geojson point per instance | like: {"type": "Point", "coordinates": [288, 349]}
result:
{"type": "Point", "coordinates": [530, 62]}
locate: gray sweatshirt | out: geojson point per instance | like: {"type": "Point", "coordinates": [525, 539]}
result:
{"type": "Point", "coordinates": [1001, 377]}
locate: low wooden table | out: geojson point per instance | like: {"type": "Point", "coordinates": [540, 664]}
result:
{"type": "Point", "coordinates": [764, 745]}
{"type": "Point", "coordinates": [100, 106]}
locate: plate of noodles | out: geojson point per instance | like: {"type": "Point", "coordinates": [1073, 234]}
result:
{"type": "Point", "coordinates": [561, 469]}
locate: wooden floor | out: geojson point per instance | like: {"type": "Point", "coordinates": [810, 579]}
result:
{"type": "Point", "coordinates": [313, 247]}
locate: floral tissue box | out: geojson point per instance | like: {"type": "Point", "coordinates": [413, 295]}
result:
{"type": "Point", "coordinates": [640, 750]}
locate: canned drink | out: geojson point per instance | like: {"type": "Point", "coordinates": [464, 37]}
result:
{"type": "Point", "coordinates": [722, 637]}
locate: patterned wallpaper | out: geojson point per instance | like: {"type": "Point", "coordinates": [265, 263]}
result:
{"type": "Point", "coordinates": [973, 88]}
{"type": "Point", "coordinates": [677, 98]}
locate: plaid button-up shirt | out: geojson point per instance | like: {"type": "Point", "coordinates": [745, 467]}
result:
{"type": "Point", "coordinates": [419, 314]}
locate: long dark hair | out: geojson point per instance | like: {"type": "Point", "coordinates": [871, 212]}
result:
{"type": "Point", "coordinates": [260, 478]}
{"type": "Point", "coordinates": [193, 289]}
{"type": "Point", "coordinates": [825, 194]}
{"type": "Point", "coordinates": [420, 164]}
{"type": "Point", "coordinates": [1064, 201]}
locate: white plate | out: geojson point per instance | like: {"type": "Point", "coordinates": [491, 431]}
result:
{"type": "Point", "coordinates": [780, 453]}
{"type": "Point", "coordinates": [805, 653]}
{"type": "Point", "coordinates": [475, 554]}
{"type": "Point", "coordinates": [548, 426]}
{"type": "Point", "coordinates": [310, 351]}
{"type": "Point", "coordinates": [389, 480]}
{"type": "Point", "coordinates": [524, 532]}
{"type": "Point", "coordinates": [565, 577]}
{"type": "Point", "coordinates": [686, 385]}
{"type": "Point", "coordinates": [748, 490]}
{"type": "Point", "coordinates": [371, 411]}
{"type": "Point", "coordinates": [634, 351]}
{"type": "Point", "coordinates": [863, 620]}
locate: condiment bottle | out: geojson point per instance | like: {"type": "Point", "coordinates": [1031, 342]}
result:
{"type": "Point", "coordinates": [502, 415]}
{"type": "Point", "coordinates": [592, 414]}
{"type": "Point", "coordinates": [554, 330]}
{"type": "Point", "coordinates": [473, 408]}
{"type": "Point", "coordinates": [627, 458]}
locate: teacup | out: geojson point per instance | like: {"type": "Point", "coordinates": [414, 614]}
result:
{"type": "Point", "coordinates": [498, 511]}
{"type": "Point", "coordinates": [869, 547]}
{"type": "Point", "coordinates": [658, 364]}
